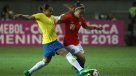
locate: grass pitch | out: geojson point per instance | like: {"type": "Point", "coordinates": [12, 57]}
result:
{"type": "Point", "coordinates": [110, 61]}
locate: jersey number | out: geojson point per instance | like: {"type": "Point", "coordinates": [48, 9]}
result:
{"type": "Point", "coordinates": [72, 26]}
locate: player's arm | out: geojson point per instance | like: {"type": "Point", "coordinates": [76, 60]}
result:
{"type": "Point", "coordinates": [58, 18]}
{"type": "Point", "coordinates": [30, 17]}
{"type": "Point", "coordinates": [61, 18]}
{"type": "Point", "coordinates": [89, 27]}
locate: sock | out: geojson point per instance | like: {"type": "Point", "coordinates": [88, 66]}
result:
{"type": "Point", "coordinates": [80, 62]}
{"type": "Point", "coordinates": [73, 61]}
{"type": "Point", "coordinates": [37, 66]}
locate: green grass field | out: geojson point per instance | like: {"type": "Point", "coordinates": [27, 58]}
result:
{"type": "Point", "coordinates": [110, 61]}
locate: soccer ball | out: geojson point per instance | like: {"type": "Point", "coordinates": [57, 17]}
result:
{"type": "Point", "coordinates": [95, 73]}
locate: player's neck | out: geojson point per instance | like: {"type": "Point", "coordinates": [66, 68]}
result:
{"type": "Point", "coordinates": [47, 15]}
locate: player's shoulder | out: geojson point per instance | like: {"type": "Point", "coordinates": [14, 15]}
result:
{"type": "Point", "coordinates": [38, 13]}
{"type": "Point", "coordinates": [82, 18]}
{"type": "Point", "coordinates": [37, 16]}
{"type": "Point", "coordinates": [69, 14]}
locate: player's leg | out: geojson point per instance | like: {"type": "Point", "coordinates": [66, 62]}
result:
{"type": "Point", "coordinates": [81, 60]}
{"type": "Point", "coordinates": [38, 66]}
{"type": "Point", "coordinates": [78, 52]}
{"type": "Point", "coordinates": [73, 61]}
{"type": "Point", "coordinates": [47, 58]}
{"type": "Point", "coordinates": [80, 55]}
{"type": "Point", "coordinates": [69, 57]}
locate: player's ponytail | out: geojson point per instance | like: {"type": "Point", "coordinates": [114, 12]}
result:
{"type": "Point", "coordinates": [79, 5]}
{"type": "Point", "coordinates": [72, 8]}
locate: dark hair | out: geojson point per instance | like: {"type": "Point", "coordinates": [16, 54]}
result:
{"type": "Point", "coordinates": [44, 7]}
{"type": "Point", "coordinates": [78, 5]}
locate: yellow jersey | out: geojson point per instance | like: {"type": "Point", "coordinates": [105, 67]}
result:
{"type": "Point", "coordinates": [47, 27]}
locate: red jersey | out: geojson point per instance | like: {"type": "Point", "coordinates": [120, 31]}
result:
{"type": "Point", "coordinates": [72, 26]}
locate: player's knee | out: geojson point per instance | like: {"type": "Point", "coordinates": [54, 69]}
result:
{"type": "Point", "coordinates": [65, 52]}
{"type": "Point", "coordinates": [62, 52]}
{"type": "Point", "coordinates": [46, 61]}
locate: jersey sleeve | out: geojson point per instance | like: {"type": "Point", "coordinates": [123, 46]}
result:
{"type": "Point", "coordinates": [37, 16]}
{"type": "Point", "coordinates": [56, 17]}
{"type": "Point", "coordinates": [64, 19]}
{"type": "Point", "coordinates": [84, 22]}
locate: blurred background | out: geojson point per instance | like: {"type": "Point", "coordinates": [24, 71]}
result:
{"type": "Point", "coordinates": [95, 10]}
{"type": "Point", "coordinates": [111, 58]}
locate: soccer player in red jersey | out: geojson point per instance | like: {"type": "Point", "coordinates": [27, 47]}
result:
{"type": "Point", "coordinates": [73, 20]}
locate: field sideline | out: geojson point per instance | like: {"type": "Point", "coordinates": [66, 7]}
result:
{"type": "Point", "coordinates": [110, 61]}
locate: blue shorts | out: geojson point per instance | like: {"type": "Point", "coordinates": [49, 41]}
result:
{"type": "Point", "coordinates": [51, 48]}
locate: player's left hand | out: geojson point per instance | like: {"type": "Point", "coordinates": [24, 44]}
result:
{"type": "Point", "coordinates": [99, 28]}
{"type": "Point", "coordinates": [17, 15]}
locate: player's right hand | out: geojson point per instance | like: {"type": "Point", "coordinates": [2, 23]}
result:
{"type": "Point", "coordinates": [17, 15]}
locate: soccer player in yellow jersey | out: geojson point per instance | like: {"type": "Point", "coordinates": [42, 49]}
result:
{"type": "Point", "coordinates": [50, 44]}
